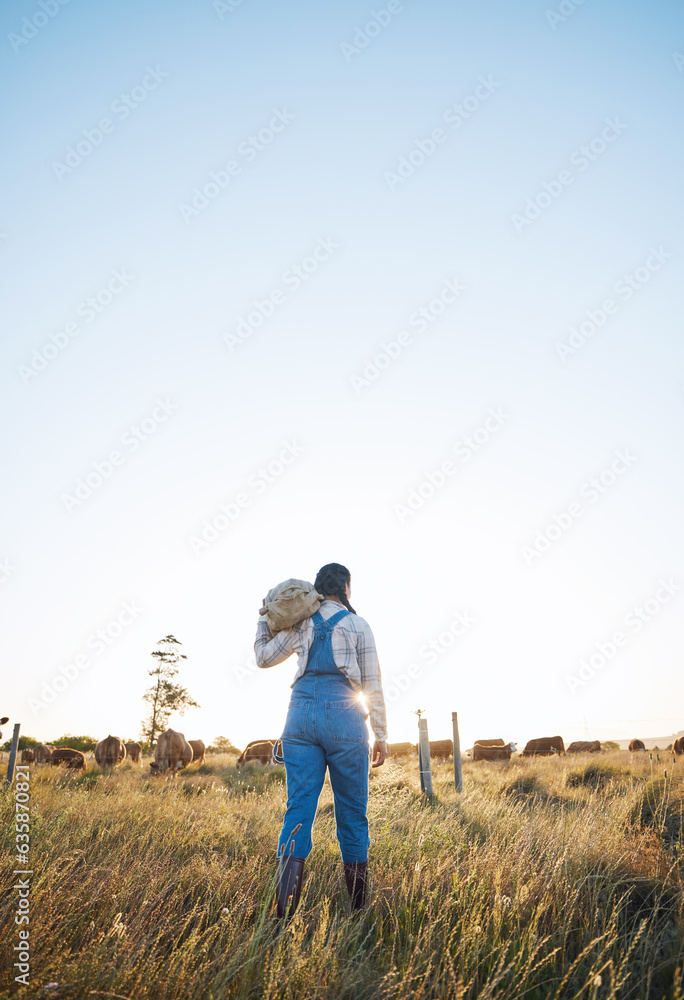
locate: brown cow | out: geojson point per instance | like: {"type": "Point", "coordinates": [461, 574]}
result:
{"type": "Point", "coordinates": [43, 753]}
{"type": "Point", "coordinates": [441, 749]}
{"type": "Point", "coordinates": [400, 749]}
{"type": "Point", "coordinates": [492, 750]}
{"type": "Point", "coordinates": [172, 752]}
{"type": "Point", "coordinates": [133, 750]}
{"type": "Point", "coordinates": [584, 746]}
{"type": "Point", "coordinates": [198, 751]}
{"type": "Point", "coordinates": [27, 756]}
{"type": "Point", "coordinates": [678, 745]}
{"type": "Point", "coordinates": [544, 746]}
{"type": "Point", "coordinates": [110, 751]}
{"type": "Point", "coordinates": [261, 750]}
{"type": "Point", "coordinates": [637, 745]}
{"type": "Point", "coordinates": [72, 758]}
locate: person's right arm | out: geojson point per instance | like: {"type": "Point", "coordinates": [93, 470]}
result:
{"type": "Point", "coordinates": [272, 650]}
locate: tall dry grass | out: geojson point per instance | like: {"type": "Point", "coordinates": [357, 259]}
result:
{"type": "Point", "coordinates": [547, 879]}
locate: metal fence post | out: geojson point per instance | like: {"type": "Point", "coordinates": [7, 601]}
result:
{"type": "Point", "coordinates": [458, 775]}
{"type": "Point", "coordinates": [424, 758]}
{"type": "Point", "coordinates": [13, 752]}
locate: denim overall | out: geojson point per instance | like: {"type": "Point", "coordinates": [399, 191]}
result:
{"type": "Point", "coordinates": [325, 727]}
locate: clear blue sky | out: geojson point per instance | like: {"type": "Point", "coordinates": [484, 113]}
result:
{"type": "Point", "coordinates": [343, 215]}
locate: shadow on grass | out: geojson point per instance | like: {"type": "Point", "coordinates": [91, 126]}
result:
{"type": "Point", "coordinates": [528, 791]}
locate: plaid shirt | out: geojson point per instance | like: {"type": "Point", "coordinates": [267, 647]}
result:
{"type": "Point", "coordinates": [353, 649]}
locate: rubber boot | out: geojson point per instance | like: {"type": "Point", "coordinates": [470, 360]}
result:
{"type": "Point", "coordinates": [290, 879]}
{"type": "Point", "coordinates": [356, 877]}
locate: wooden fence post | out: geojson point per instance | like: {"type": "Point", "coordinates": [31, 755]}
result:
{"type": "Point", "coordinates": [458, 775]}
{"type": "Point", "coordinates": [13, 753]}
{"type": "Point", "coordinates": [424, 758]}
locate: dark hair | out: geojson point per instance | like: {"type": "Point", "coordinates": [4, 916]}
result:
{"type": "Point", "coordinates": [331, 579]}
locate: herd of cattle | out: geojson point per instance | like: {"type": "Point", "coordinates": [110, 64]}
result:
{"type": "Point", "coordinates": [262, 751]}
{"type": "Point", "coordinates": [546, 746]}
{"type": "Point", "coordinates": [173, 752]}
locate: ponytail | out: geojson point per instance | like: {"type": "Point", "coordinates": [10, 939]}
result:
{"type": "Point", "coordinates": [331, 579]}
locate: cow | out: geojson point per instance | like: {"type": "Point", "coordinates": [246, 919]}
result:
{"type": "Point", "coordinates": [43, 753]}
{"type": "Point", "coordinates": [261, 750]}
{"type": "Point", "coordinates": [72, 758]}
{"type": "Point", "coordinates": [172, 752]}
{"type": "Point", "coordinates": [637, 745]}
{"type": "Point", "coordinates": [584, 746]}
{"type": "Point", "coordinates": [133, 750]}
{"type": "Point", "coordinates": [27, 756]}
{"type": "Point", "coordinates": [544, 746]}
{"type": "Point", "coordinates": [110, 751]}
{"type": "Point", "coordinates": [678, 745]}
{"type": "Point", "coordinates": [485, 744]}
{"type": "Point", "coordinates": [198, 751]}
{"type": "Point", "coordinates": [400, 749]}
{"type": "Point", "coordinates": [492, 750]}
{"type": "Point", "coordinates": [441, 749]}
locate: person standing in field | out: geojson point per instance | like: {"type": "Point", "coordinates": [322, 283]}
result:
{"type": "Point", "coordinates": [326, 729]}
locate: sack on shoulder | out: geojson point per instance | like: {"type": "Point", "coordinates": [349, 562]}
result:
{"type": "Point", "coordinates": [289, 603]}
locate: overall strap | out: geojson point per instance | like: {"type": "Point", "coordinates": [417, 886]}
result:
{"type": "Point", "coordinates": [322, 627]}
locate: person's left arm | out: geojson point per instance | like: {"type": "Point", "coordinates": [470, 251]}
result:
{"type": "Point", "coordinates": [371, 686]}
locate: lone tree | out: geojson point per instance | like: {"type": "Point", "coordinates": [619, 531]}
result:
{"type": "Point", "coordinates": [84, 743]}
{"type": "Point", "coordinates": [165, 696]}
{"type": "Point", "coordinates": [222, 745]}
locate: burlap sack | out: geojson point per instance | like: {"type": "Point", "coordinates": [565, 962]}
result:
{"type": "Point", "coordinates": [289, 603]}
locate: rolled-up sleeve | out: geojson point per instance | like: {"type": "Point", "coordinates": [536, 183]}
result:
{"type": "Point", "coordinates": [272, 650]}
{"type": "Point", "coordinates": [371, 682]}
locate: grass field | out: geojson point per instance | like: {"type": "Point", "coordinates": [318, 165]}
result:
{"type": "Point", "coordinates": [547, 878]}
